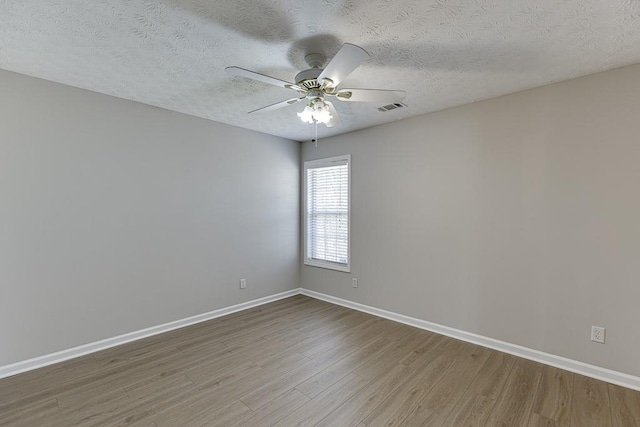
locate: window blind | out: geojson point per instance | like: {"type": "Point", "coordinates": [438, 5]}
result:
{"type": "Point", "coordinates": [327, 212]}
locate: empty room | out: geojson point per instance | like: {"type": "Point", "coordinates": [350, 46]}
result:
{"type": "Point", "coordinates": [319, 213]}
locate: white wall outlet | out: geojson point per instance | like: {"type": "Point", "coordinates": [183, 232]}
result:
{"type": "Point", "coordinates": [597, 334]}
{"type": "Point", "coordinates": [243, 283]}
{"type": "Point", "coordinates": [354, 282]}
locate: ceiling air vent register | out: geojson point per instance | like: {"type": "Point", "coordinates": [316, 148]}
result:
{"type": "Point", "coordinates": [392, 106]}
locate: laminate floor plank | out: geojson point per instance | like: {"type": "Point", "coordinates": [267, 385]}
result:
{"type": "Point", "coordinates": [148, 398]}
{"type": "Point", "coordinates": [590, 405]}
{"type": "Point", "coordinates": [537, 420]}
{"type": "Point", "coordinates": [276, 320]}
{"type": "Point", "coordinates": [203, 412]}
{"type": "Point", "coordinates": [260, 352]}
{"type": "Point", "coordinates": [301, 361]}
{"type": "Point", "coordinates": [336, 371]}
{"type": "Point", "coordinates": [92, 411]}
{"type": "Point", "coordinates": [425, 349]}
{"type": "Point", "coordinates": [155, 385]}
{"type": "Point", "coordinates": [29, 413]}
{"type": "Point", "coordinates": [514, 405]}
{"type": "Point", "coordinates": [120, 374]}
{"type": "Point", "coordinates": [326, 402]}
{"type": "Point", "coordinates": [625, 406]}
{"type": "Point", "coordinates": [218, 392]}
{"type": "Point", "coordinates": [208, 331]}
{"type": "Point", "coordinates": [340, 346]}
{"type": "Point", "coordinates": [332, 319]}
{"type": "Point", "coordinates": [40, 381]}
{"type": "Point", "coordinates": [555, 394]}
{"type": "Point", "coordinates": [436, 406]}
{"type": "Point", "coordinates": [402, 346]}
{"type": "Point", "coordinates": [358, 407]}
{"type": "Point", "coordinates": [421, 358]}
{"type": "Point", "coordinates": [274, 411]}
{"type": "Point", "coordinates": [429, 362]}
{"type": "Point", "coordinates": [274, 388]}
{"type": "Point", "coordinates": [55, 382]}
{"type": "Point", "coordinates": [397, 407]}
{"type": "Point", "coordinates": [476, 404]}
{"type": "Point", "coordinates": [346, 336]}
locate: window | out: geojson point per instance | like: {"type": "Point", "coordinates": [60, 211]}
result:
{"type": "Point", "coordinates": [326, 209]}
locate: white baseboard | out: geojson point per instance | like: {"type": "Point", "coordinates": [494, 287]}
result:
{"type": "Point", "coordinates": [60, 356]}
{"type": "Point", "coordinates": [608, 375]}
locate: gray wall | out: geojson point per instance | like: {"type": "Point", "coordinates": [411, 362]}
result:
{"type": "Point", "coordinates": [117, 216]}
{"type": "Point", "coordinates": [516, 218]}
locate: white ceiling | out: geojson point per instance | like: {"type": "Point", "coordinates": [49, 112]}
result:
{"type": "Point", "coordinates": [172, 53]}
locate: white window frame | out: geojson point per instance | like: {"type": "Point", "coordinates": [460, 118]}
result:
{"type": "Point", "coordinates": [315, 262]}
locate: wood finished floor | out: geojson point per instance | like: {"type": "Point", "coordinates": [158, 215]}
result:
{"type": "Point", "coordinates": [300, 361]}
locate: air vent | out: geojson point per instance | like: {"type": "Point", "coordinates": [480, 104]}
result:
{"type": "Point", "coordinates": [392, 107]}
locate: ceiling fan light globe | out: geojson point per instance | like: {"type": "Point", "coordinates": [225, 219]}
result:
{"type": "Point", "coordinates": [322, 115]}
{"type": "Point", "coordinates": [306, 115]}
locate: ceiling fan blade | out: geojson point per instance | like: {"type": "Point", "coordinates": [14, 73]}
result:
{"type": "Point", "coordinates": [348, 58]}
{"type": "Point", "coordinates": [335, 118]}
{"type": "Point", "coordinates": [277, 105]}
{"type": "Point", "coordinates": [237, 71]}
{"type": "Point", "coordinates": [371, 95]}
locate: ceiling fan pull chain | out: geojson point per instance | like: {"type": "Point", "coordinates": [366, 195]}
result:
{"type": "Point", "coordinates": [316, 138]}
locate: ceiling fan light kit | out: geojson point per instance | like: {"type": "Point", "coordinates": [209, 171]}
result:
{"type": "Point", "coordinates": [317, 83]}
{"type": "Point", "coordinates": [316, 112]}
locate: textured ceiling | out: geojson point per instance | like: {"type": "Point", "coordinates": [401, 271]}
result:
{"type": "Point", "coordinates": [172, 53]}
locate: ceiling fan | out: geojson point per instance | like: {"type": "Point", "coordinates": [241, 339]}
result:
{"type": "Point", "coordinates": [320, 82]}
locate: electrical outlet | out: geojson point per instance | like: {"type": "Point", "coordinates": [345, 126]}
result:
{"type": "Point", "coordinates": [243, 283]}
{"type": "Point", "coordinates": [354, 282]}
{"type": "Point", "coordinates": [597, 334]}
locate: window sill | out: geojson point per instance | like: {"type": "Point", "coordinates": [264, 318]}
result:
{"type": "Point", "coordinates": [328, 265]}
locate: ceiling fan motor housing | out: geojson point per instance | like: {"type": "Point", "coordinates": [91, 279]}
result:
{"type": "Point", "coordinates": [308, 78]}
